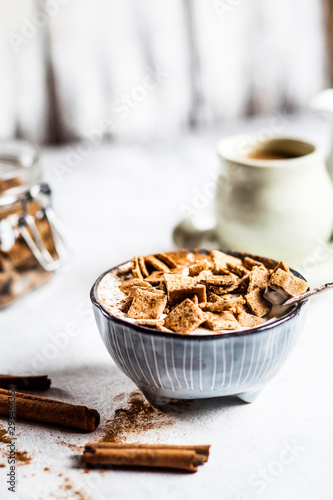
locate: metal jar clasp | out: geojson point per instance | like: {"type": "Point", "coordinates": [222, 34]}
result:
{"type": "Point", "coordinates": [31, 234]}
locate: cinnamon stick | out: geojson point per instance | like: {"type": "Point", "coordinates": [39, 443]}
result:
{"type": "Point", "coordinates": [50, 411]}
{"type": "Point", "coordinates": [186, 458]}
{"type": "Point", "coordinates": [29, 382]}
{"type": "Point", "coordinates": [202, 449]}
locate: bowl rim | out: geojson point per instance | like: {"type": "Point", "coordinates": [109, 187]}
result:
{"type": "Point", "coordinates": [144, 329]}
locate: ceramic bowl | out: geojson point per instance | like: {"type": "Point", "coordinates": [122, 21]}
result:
{"type": "Point", "coordinates": [167, 366]}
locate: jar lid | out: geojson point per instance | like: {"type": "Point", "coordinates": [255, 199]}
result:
{"type": "Point", "coordinates": [19, 170]}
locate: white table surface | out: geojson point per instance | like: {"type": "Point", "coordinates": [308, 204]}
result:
{"type": "Point", "coordinates": [123, 200]}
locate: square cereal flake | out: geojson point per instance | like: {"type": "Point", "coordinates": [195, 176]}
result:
{"type": "Point", "coordinates": [180, 288]}
{"type": "Point", "coordinates": [293, 286]}
{"type": "Point", "coordinates": [185, 317]}
{"type": "Point", "coordinates": [147, 305]}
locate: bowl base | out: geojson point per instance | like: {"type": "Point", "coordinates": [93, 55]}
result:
{"type": "Point", "coordinates": [249, 397]}
{"type": "Point", "coordinates": [157, 400]}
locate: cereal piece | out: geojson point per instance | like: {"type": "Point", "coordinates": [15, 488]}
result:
{"type": "Point", "coordinates": [212, 297]}
{"type": "Point", "coordinates": [134, 289]}
{"type": "Point", "coordinates": [203, 275]}
{"type": "Point", "coordinates": [164, 329]}
{"type": "Point", "coordinates": [185, 318]}
{"type": "Point", "coordinates": [244, 281]}
{"type": "Point", "coordinates": [281, 265]}
{"type": "Point", "coordinates": [221, 321]}
{"type": "Point", "coordinates": [211, 306]}
{"type": "Point", "coordinates": [248, 320]}
{"type": "Point", "coordinates": [222, 290]}
{"type": "Point", "coordinates": [182, 287]}
{"type": "Point", "coordinates": [5, 281]}
{"type": "Point", "coordinates": [200, 265]}
{"type": "Point", "coordinates": [293, 286]}
{"type": "Point", "coordinates": [233, 301]}
{"type": "Point", "coordinates": [257, 304]}
{"type": "Point", "coordinates": [222, 280]}
{"type": "Point", "coordinates": [250, 263]}
{"type": "Point", "coordinates": [149, 322]}
{"type": "Point", "coordinates": [11, 182]}
{"type": "Point", "coordinates": [180, 256]}
{"type": "Point", "coordinates": [157, 264]}
{"type": "Point", "coordinates": [239, 308]}
{"type": "Point", "coordinates": [167, 259]}
{"type": "Point", "coordinates": [221, 260]}
{"type": "Point", "coordinates": [239, 270]}
{"type": "Point", "coordinates": [222, 304]}
{"type": "Point", "coordinates": [167, 309]}
{"type": "Point", "coordinates": [126, 305]}
{"type": "Point", "coordinates": [155, 278]}
{"type": "Point", "coordinates": [136, 268]}
{"type": "Point", "coordinates": [259, 278]}
{"type": "Point", "coordinates": [126, 286]}
{"type": "Point", "coordinates": [142, 266]}
{"type": "Point", "coordinates": [194, 299]}
{"type": "Point", "coordinates": [147, 305]}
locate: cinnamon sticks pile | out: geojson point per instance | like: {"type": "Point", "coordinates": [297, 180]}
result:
{"type": "Point", "coordinates": [184, 458]}
{"type": "Point", "coordinates": [29, 382]}
{"type": "Point", "coordinates": [37, 409]}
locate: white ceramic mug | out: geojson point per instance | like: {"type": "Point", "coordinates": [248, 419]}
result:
{"type": "Point", "coordinates": [283, 207]}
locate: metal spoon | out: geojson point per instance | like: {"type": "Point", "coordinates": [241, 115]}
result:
{"type": "Point", "coordinates": [281, 306]}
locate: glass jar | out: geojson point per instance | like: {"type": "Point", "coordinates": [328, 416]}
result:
{"type": "Point", "coordinates": [32, 242]}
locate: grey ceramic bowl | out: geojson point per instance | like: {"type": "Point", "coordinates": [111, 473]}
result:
{"type": "Point", "coordinates": [168, 366]}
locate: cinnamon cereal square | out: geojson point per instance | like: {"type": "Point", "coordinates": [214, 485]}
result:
{"type": "Point", "coordinates": [199, 266]}
{"type": "Point", "coordinates": [142, 266]}
{"type": "Point", "coordinates": [147, 305]}
{"type": "Point", "coordinates": [155, 278]}
{"type": "Point", "coordinates": [150, 322]}
{"type": "Point", "coordinates": [239, 270]}
{"type": "Point", "coordinates": [181, 287]}
{"type": "Point", "coordinates": [167, 259]}
{"type": "Point", "coordinates": [5, 280]}
{"type": "Point", "coordinates": [250, 263]}
{"type": "Point", "coordinates": [222, 280]}
{"type": "Point", "coordinates": [185, 317]}
{"type": "Point", "coordinates": [229, 304]}
{"type": "Point", "coordinates": [281, 265]}
{"type": "Point", "coordinates": [221, 260]}
{"type": "Point", "coordinates": [293, 286]}
{"type": "Point", "coordinates": [257, 304]}
{"type": "Point", "coordinates": [221, 321]}
{"type": "Point", "coordinates": [248, 320]}
{"type": "Point", "coordinates": [258, 278]}
{"type": "Point", "coordinates": [157, 264]}
{"type": "Point", "coordinates": [126, 286]}
{"type": "Point", "coordinates": [136, 268]}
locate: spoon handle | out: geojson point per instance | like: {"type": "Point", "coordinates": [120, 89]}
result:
{"type": "Point", "coordinates": [305, 295]}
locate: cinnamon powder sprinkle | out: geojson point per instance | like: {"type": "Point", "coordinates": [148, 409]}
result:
{"type": "Point", "coordinates": [3, 437]}
{"type": "Point", "coordinates": [135, 417]}
{"type": "Point", "coordinates": [22, 456]}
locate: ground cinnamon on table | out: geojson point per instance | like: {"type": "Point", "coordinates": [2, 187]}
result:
{"type": "Point", "coordinates": [185, 458]}
{"type": "Point", "coordinates": [134, 417]}
{"type": "Point", "coordinates": [50, 411]}
{"type": "Point", "coordinates": [29, 382]}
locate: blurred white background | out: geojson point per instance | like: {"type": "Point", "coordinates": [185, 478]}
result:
{"type": "Point", "coordinates": [155, 68]}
